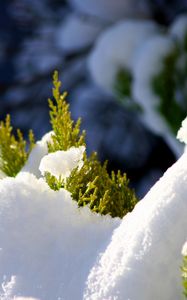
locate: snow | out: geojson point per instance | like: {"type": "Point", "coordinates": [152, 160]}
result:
{"type": "Point", "coordinates": [47, 243]}
{"type": "Point", "coordinates": [37, 153]}
{"type": "Point", "coordinates": [51, 249]}
{"type": "Point", "coordinates": [184, 249]}
{"type": "Point", "coordinates": [182, 133]}
{"type": "Point", "coordinates": [61, 163]}
{"type": "Point", "coordinates": [115, 50]}
{"type": "Point", "coordinates": [145, 250]}
{"type": "Point", "coordinates": [77, 33]}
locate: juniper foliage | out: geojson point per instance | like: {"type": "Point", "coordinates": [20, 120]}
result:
{"type": "Point", "coordinates": [92, 184]}
{"type": "Point", "coordinates": [13, 148]}
{"type": "Point", "coordinates": [184, 276]}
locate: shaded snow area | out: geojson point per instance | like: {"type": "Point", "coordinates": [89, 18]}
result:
{"type": "Point", "coordinates": [47, 244]}
{"type": "Point", "coordinates": [144, 257]}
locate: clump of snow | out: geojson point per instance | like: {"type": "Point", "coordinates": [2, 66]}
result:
{"type": "Point", "coordinates": [61, 163]}
{"type": "Point", "coordinates": [179, 27]}
{"type": "Point", "coordinates": [76, 33]}
{"type": "Point", "coordinates": [182, 133]}
{"type": "Point", "coordinates": [115, 50]}
{"type": "Point", "coordinates": [25, 298]}
{"type": "Point", "coordinates": [37, 153]}
{"type": "Point", "coordinates": [112, 10]}
{"type": "Point", "coordinates": [146, 247]}
{"type": "Point", "coordinates": [184, 249]}
{"type": "Point", "coordinates": [46, 241]}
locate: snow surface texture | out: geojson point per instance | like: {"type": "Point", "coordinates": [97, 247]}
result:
{"type": "Point", "coordinates": [112, 10]}
{"type": "Point", "coordinates": [148, 64]}
{"type": "Point", "coordinates": [144, 257]}
{"type": "Point", "coordinates": [115, 50]}
{"type": "Point", "coordinates": [47, 244]}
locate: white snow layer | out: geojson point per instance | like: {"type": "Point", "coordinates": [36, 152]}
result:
{"type": "Point", "coordinates": [47, 244]}
{"type": "Point", "coordinates": [112, 10]}
{"type": "Point", "coordinates": [62, 163]}
{"type": "Point", "coordinates": [115, 50]}
{"type": "Point", "coordinates": [144, 257]}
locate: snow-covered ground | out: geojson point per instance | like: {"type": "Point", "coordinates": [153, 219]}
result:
{"type": "Point", "coordinates": [51, 249]}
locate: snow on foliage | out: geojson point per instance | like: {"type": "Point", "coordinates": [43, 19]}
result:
{"type": "Point", "coordinates": [47, 243]}
{"type": "Point", "coordinates": [62, 163]}
{"type": "Point", "coordinates": [146, 248]}
{"type": "Point", "coordinates": [115, 50]}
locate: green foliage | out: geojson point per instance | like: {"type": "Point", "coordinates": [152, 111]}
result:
{"type": "Point", "coordinates": [92, 184]}
{"type": "Point", "coordinates": [66, 132]}
{"type": "Point", "coordinates": [123, 83]}
{"type": "Point", "coordinates": [122, 88]}
{"type": "Point", "coordinates": [168, 85]}
{"type": "Point", "coordinates": [13, 153]}
{"type": "Point", "coordinates": [184, 275]}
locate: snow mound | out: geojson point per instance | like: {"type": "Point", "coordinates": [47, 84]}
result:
{"type": "Point", "coordinates": [144, 257]}
{"type": "Point", "coordinates": [179, 27]}
{"type": "Point", "coordinates": [47, 244]}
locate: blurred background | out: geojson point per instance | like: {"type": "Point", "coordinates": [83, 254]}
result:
{"type": "Point", "coordinates": [38, 37]}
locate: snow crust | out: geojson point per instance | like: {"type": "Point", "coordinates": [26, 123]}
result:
{"type": "Point", "coordinates": [143, 259]}
{"type": "Point", "coordinates": [46, 242]}
{"type": "Point", "coordinates": [115, 50]}
{"type": "Point", "coordinates": [61, 163]}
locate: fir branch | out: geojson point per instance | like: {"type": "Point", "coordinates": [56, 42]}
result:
{"type": "Point", "coordinates": [184, 276]}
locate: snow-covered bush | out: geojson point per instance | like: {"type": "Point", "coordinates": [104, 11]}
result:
{"type": "Point", "coordinates": [62, 160]}
{"type": "Point", "coordinates": [52, 247]}
{"type": "Point", "coordinates": [145, 65]}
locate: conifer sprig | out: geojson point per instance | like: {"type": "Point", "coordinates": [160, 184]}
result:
{"type": "Point", "coordinates": [66, 131]}
{"type": "Point", "coordinates": [13, 153]}
{"type": "Point", "coordinates": [92, 184]}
